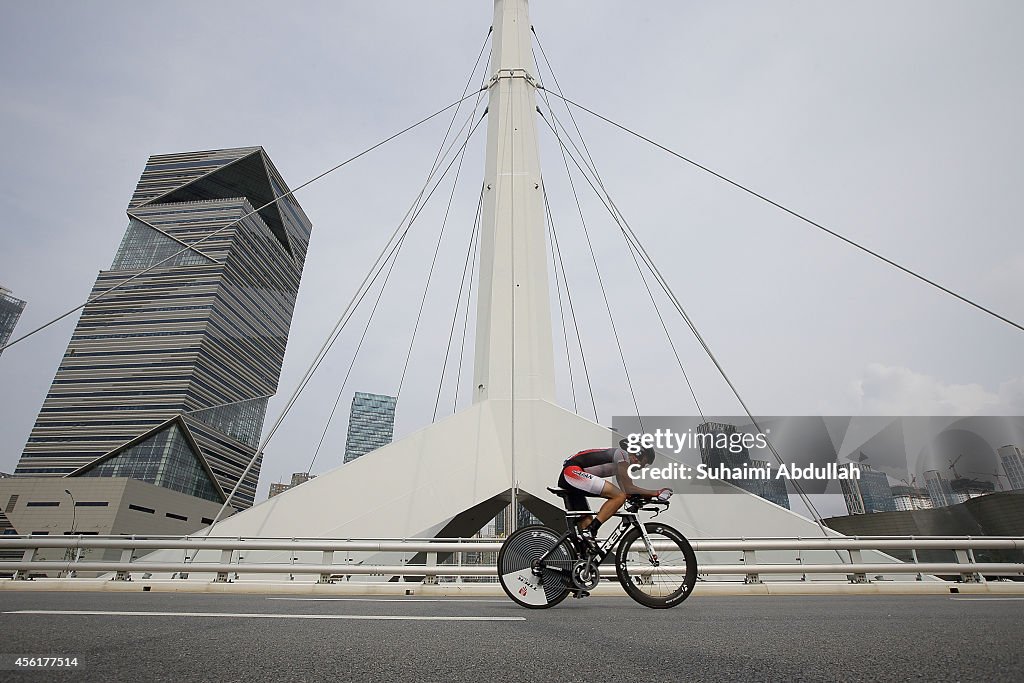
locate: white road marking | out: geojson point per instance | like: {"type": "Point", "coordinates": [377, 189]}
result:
{"type": "Point", "coordinates": [986, 599]}
{"type": "Point", "coordinates": [244, 615]}
{"type": "Point", "coordinates": [387, 600]}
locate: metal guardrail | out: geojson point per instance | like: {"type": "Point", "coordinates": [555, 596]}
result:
{"type": "Point", "coordinates": [966, 566]}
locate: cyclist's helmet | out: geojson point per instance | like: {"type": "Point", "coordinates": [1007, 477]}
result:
{"type": "Point", "coordinates": [644, 455]}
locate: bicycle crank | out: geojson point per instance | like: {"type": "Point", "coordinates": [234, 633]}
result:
{"type": "Point", "coordinates": [586, 574]}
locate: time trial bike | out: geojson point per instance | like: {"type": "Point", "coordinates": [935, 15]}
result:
{"type": "Point", "coordinates": [656, 565]}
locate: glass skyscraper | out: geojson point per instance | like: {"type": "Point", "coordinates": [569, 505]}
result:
{"type": "Point", "coordinates": [371, 424]}
{"type": "Point", "coordinates": [1012, 461]}
{"type": "Point", "coordinates": [166, 379]}
{"type": "Point", "coordinates": [939, 489]}
{"type": "Point", "coordinates": [10, 312]}
{"type": "Point", "coordinates": [870, 493]}
{"type": "Point", "coordinates": [715, 455]}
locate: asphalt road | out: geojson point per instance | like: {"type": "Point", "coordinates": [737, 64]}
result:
{"type": "Point", "coordinates": [388, 639]}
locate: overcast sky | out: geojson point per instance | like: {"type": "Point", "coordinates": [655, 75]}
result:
{"type": "Point", "coordinates": [897, 124]}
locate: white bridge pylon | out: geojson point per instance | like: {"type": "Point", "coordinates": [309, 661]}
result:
{"type": "Point", "coordinates": [452, 477]}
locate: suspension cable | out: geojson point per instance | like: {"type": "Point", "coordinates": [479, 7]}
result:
{"type": "Point", "coordinates": [600, 280]}
{"type": "Point", "coordinates": [592, 165]}
{"type": "Point", "coordinates": [470, 252]}
{"type": "Point", "coordinates": [558, 292]}
{"type": "Point", "coordinates": [797, 215]}
{"type": "Point", "coordinates": [556, 248]}
{"type": "Point", "coordinates": [433, 260]}
{"type": "Point", "coordinates": [465, 317]}
{"type": "Point", "coordinates": [650, 294]}
{"type": "Point", "coordinates": [355, 354]}
{"type": "Point", "coordinates": [375, 271]}
{"type": "Point", "coordinates": [213, 234]}
{"type": "Point", "coordinates": [434, 165]}
{"type": "Point", "coordinates": [649, 263]}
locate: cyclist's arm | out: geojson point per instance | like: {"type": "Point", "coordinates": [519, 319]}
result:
{"type": "Point", "coordinates": [626, 482]}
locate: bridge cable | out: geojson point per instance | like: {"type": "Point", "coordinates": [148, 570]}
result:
{"type": "Point", "coordinates": [558, 292]}
{"type": "Point", "coordinates": [800, 216]}
{"type": "Point", "coordinates": [568, 295]}
{"type": "Point", "coordinates": [631, 238]}
{"type": "Point", "coordinates": [337, 401]}
{"type": "Point", "coordinates": [380, 293]}
{"type": "Point", "coordinates": [469, 298]}
{"type": "Point", "coordinates": [600, 280]}
{"type": "Point", "coordinates": [435, 164]}
{"type": "Point", "coordinates": [361, 292]}
{"type": "Point", "coordinates": [470, 252]}
{"type": "Point", "coordinates": [440, 236]}
{"type": "Point", "coordinates": [593, 168]}
{"type": "Point", "coordinates": [192, 245]}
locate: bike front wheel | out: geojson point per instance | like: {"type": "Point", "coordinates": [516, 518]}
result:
{"type": "Point", "coordinates": [534, 569]}
{"type": "Point", "coordinates": [659, 579]}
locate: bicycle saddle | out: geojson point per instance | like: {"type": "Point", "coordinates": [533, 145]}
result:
{"type": "Point", "coordinates": [562, 493]}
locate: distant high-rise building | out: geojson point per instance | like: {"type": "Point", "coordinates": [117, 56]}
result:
{"type": "Point", "coordinates": [371, 424]}
{"type": "Point", "coordinates": [10, 312]}
{"type": "Point", "coordinates": [503, 521]}
{"type": "Point", "coordinates": [911, 498]}
{"type": "Point", "coordinates": [770, 488]}
{"type": "Point", "coordinates": [938, 489]}
{"type": "Point", "coordinates": [166, 378]}
{"type": "Point", "coordinates": [297, 478]}
{"type": "Point", "coordinates": [871, 493]}
{"type": "Point", "coordinates": [714, 455]}
{"type": "Point", "coordinates": [964, 488]}
{"type": "Point", "coordinates": [1012, 461]}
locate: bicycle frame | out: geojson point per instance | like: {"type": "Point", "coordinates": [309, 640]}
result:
{"type": "Point", "coordinates": [626, 520]}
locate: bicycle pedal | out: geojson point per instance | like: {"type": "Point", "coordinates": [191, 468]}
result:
{"type": "Point", "coordinates": [582, 594]}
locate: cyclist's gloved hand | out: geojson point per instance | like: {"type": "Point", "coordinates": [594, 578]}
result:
{"type": "Point", "coordinates": [664, 494]}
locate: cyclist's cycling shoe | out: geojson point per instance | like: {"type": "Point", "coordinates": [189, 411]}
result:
{"type": "Point", "coordinates": [586, 542]}
{"type": "Point", "coordinates": [582, 594]}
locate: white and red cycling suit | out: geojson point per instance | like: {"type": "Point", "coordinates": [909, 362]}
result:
{"type": "Point", "coordinates": [585, 473]}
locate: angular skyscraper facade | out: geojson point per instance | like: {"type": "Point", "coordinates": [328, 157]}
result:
{"type": "Point", "coordinates": [10, 312]}
{"type": "Point", "coordinates": [371, 424]}
{"type": "Point", "coordinates": [167, 378]}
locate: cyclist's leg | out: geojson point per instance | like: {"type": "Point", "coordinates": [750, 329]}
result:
{"type": "Point", "coordinates": [576, 482]}
{"type": "Point", "coordinates": [616, 498]}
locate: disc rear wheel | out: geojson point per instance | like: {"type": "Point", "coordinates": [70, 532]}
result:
{"type": "Point", "coordinates": [525, 578]}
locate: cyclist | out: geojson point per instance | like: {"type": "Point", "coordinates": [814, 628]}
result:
{"type": "Point", "coordinates": [585, 472]}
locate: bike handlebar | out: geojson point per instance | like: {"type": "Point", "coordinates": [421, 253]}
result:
{"type": "Point", "coordinates": [641, 503]}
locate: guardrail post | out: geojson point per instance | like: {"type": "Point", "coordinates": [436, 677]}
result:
{"type": "Point", "coordinates": [225, 558]}
{"type": "Point", "coordinates": [431, 576]}
{"type": "Point", "coordinates": [458, 563]}
{"type": "Point", "coordinates": [23, 574]}
{"type": "Point", "coordinates": [328, 558]}
{"type": "Point", "coordinates": [965, 557]}
{"type": "Point", "coordinates": [913, 554]}
{"type": "Point", "coordinates": [970, 555]}
{"type": "Point", "coordinates": [859, 577]}
{"type": "Point", "coordinates": [127, 555]}
{"type": "Point", "coordinates": [187, 560]}
{"type": "Point", "coordinates": [750, 557]}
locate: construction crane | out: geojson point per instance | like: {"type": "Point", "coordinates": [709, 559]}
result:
{"type": "Point", "coordinates": [952, 466]}
{"type": "Point", "coordinates": [996, 475]}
